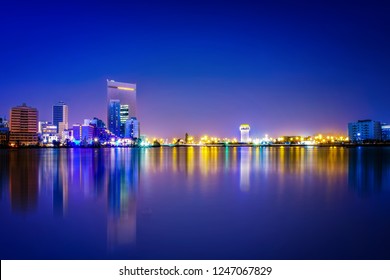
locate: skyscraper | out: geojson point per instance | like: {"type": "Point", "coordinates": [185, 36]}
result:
{"type": "Point", "coordinates": [114, 119]}
{"type": "Point", "coordinates": [60, 117]}
{"type": "Point", "coordinates": [24, 125]}
{"type": "Point", "coordinates": [125, 94]}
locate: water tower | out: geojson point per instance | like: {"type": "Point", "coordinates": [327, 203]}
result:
{"type": "Point", "coordinates": [244, 129]}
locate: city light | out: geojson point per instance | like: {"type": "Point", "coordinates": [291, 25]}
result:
{"type": "Point", "coordinates": [125, 88]}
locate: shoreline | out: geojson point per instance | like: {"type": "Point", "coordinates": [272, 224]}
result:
{"type": "Point", "coordinates": [349, 145]}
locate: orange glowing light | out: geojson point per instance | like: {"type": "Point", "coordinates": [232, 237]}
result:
{"type": "Point", "coordinates": [126, 88]}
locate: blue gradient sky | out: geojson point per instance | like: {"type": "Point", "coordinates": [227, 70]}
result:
{"type": "Point", "coordinates": [286, 67]}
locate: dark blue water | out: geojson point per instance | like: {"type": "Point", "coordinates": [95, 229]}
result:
{"type": "Point", "coordinates": [195, 203]}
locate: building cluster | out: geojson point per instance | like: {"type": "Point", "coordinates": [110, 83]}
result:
{"type": "Point", "coordinates": [362, 131]}
{"type": "Point", "coordinates": [25, 129]}
{"type": "Point", "coordinates": [121, 114]}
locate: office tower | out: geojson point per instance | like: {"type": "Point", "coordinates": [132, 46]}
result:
{"type": "Point", "coordinates": [125, 94]}
{"type": "Point", "coordinates": [60, 117]}
{"type": "Point", "coordinates": [132, 128]}
{"type": "Point", "coordinates": [244, 129]}
{"type": "Point", "coordinates": [364, 130]}
{"type": "Point", "coordinates": [114, 117]}
{"type": "Point", "coordinates": [24, 125]}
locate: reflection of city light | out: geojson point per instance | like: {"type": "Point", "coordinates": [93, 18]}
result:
{"type": "Point", "coordinates": [245, 166]}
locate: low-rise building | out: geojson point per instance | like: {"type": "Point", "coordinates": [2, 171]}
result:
{"type": "Point", "coordinates": [385, 132]}
{"type": "Point", "coordinates": [365, 130]}
{"type": "Point", "coordinates": [4, 132]}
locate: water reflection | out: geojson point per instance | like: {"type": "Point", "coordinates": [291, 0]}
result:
{"type": "Point", "coordinates": [245, 164]}
{"type": "Point", "coordinates": [193, 190]}
{"type": "Point", "coordinates": [368, 169]}
{"type": "Point", "coordinates": [4, 171]}
{"type": "Point", "coordinates": [23, 180]}
{"type": "Point", "coordinates": [122, 188]}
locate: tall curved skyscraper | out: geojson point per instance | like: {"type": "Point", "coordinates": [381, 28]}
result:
{"type": "Point", "coordinates": [126, 95]}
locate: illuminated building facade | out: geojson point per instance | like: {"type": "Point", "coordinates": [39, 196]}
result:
{"type": "Point", "coordinates": [24, 125]}
{"type": "Point", "coordinates": [4, 132]}
{"type": "Point", "coordinates": [60, 117]}
{"type": "Point", "coordinates": [83, 132]}
{"type": "Point", "coordinates": [114, 122]}
{"type": "Point", "coordinates": [100, 131]}
{"type": "Point", "coordinates": [77, 132]}
{"type": "Point", "coordinates": [386, 132]}
{"type": "Point", "coordinates": [47, 133]}
{"type": "Point", "coordinates": [244, 130]}
{"type": "Point", "coordinates": [132, 128]}
{"type": "Point", "coordinates": [121, 104]}
{"type": "Point", "coordinates": [363, 130]}
{"type": "Point", "coordinates": [87, 133]}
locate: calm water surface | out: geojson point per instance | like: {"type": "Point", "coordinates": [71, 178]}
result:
{"type": "Point", "coordinates": [195, 203]}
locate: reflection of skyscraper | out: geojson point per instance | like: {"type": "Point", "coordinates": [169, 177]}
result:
{"type": "Point", "coordinates": [122, 190]}
{"type": "Point", "coordinates": [60, 183]}
{"type": "Point", "coordinates": [60, 117]}
{"type": "Point", "coordinates": [125, 95]}
{"type": "Point", "coordinates": [23, 179]}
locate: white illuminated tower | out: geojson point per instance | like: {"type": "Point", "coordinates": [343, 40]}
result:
{"type": "Point", "coordinates": [244, 129]}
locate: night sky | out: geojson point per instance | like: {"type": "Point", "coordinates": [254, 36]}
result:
{"type": "Point", "coordinates": [284, 67]}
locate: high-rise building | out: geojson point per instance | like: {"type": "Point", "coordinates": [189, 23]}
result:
{"type": "Point", "coordinates": [132, 128]}
{"type": "Point", "coordinates": [114, 121]}
{"type": "Point", "coordinates": [24, 125]}
{"type": "Point", "coordinates": [60, 117]}
{"type": "Point", "coordinates": [126, 95]}
{"type": "Point", "coordinates": [244, 130]}
{"type": "Point", "coordinates": [363, 130]}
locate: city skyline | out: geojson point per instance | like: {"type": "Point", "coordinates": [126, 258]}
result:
{"type": "Point", "coordinates": [297, 68]}
{"type": "Point", "coordinates": [131, 127]}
